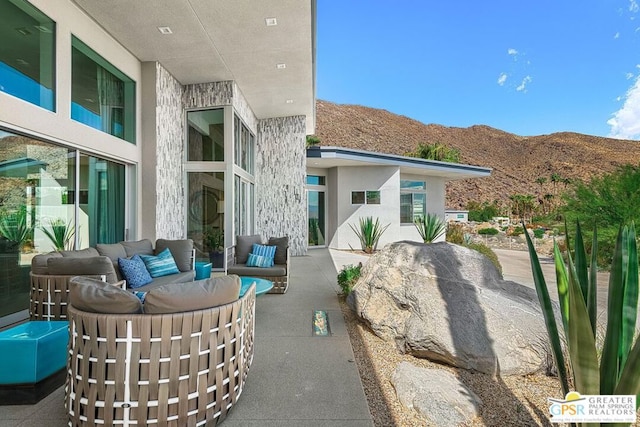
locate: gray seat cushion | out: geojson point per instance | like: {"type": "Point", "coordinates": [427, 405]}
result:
{"type": "Point", "coordinates": [139, 247]}
{"type": "Point", "coordinates": [243, 270]}
{"type": "Point", "coordinates": [198, 295]}
{"type": "Point", "coordinates": [181, 250]}
{"type": "Point", "coordinates": [281, 244]}
{"type": "Point", "coordinates": [96, 296]}
{"type": "Point", "coordinates": [94, 266]}
{"type": "Point", "coordinates": [183, 277]}
{"type": "Point", "coordinates": [244, 245]}
{"type": "Point", "coordinates": [113, 251]}
{"type": "Point", "coordinates": [39, 262]}
{"type": "Point", "coordinates": [80, 253]}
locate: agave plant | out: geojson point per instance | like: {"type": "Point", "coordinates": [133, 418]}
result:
{"type": "Point", "coordinates": [59, 233]}
{"type": "Point", "coordinates": [430, 227]}
{"type": "Point", "coordinates": [619, 369]}
{"type": "Point", "coordinates": [369, 233]}
{"type": "Point", "coordinates": [14, 227]}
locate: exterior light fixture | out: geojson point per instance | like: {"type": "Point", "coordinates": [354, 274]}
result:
{"type": "Point", "coordinates": [281, 66]}
{"type": "Point", "coordinates": [271, 22]}
{"type": "Point", "coordinates": [165, 30]}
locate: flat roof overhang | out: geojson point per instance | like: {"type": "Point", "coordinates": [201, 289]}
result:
{"type": "Point", "coordinates": [328, 157]}
{"type": "Point", "coordinates": [225, 40]}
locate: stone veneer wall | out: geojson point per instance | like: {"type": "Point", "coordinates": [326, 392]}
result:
{"type": "Point", "coordinates": [281, 204]}
{"type": "Point", "coordinates": [170, 214]}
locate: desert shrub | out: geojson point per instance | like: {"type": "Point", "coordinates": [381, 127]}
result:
{"type": "Point", "coordinates": [348, 276]}
{"type": "Point", "coordinates": [430, 227]}
{"type": "Point", "coordinates": [489, 231]}
{"type": "Point", "coordinates": [436, 151]}
{"type": "Point", "coordinates": [488, 252]}
{"type": "Point", "coordinates": [455, 233]}
{"type": "Point", "coordinates": [518, 230]}
{"type": "Point", "coordinates": [538, 233]}
{"type": "Point", "coordinates": [482, 212]}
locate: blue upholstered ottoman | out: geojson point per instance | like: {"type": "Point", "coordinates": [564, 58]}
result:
{"type": "Point", "coordinates": [33, 356]}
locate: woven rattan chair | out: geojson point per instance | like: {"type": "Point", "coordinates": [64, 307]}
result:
{"type": "Point", "coordinates": [49, 295]}
{"type": "Point", "coordinates": [174, 369]}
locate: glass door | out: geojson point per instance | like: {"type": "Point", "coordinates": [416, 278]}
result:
{"type": "Point", "coordinates": [316, 215]}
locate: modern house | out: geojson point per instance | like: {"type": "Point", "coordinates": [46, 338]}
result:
{"type": "Point", "coordinates": [345, 185]}
{"type": "Point", "coordinates": [154, 119]}
{"type": "Point", "coordinates": [172, 119]}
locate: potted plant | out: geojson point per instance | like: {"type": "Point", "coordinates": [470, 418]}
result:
{"type": "Point", "coordinates": [213, 240]}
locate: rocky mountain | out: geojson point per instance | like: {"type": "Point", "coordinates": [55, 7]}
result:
{"type": "Point", "coordinates": [517, 161]}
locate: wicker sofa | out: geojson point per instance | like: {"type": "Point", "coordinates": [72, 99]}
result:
{"type": "Point", "coordinates": [51, 272]}
{"type": "Point", "coordinates": [168, 369]}
{"type": "Point", "coordinates": [278, 274]}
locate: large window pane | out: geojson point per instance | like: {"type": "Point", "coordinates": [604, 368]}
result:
{"type": "Point", "coordinates": [101, 201]}
{"type": "Point", "coordinates": [101, 95]}
{"type": "Point", "coordinates": [244, 146]}
{"type": "Point", "coordinates": [205, 222]}
{"type": "Point", "coordinates": [27, 53]}
{"type": "Point", "coordinates": [206, 135]}
{"type": "Point", "coordinates": [35, 179]}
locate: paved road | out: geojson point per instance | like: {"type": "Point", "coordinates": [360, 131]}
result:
{"type": "Point", "coordinates": [517, 267]}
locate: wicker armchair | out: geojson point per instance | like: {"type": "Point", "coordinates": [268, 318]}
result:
{"type": "Point", "coordinates": [163, 369]}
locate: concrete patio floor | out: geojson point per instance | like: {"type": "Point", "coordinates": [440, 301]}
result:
{"type": "Point", "coordinates": [296, 379]}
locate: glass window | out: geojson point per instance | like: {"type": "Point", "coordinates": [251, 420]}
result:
{"type": "Point", "coordinates": [357, 197]}
{"type": "Point", "coordinates": [413, 200]}
{"type": "Point", "coordinates": [205, 141]}
{"type": "Point", "coordinates": [315, 180]}
{"type": "Point", "coordinates": [244, 145]}
{"type": "Point", "coordinates": [101, 95]}
{"type": "Point", "coordinates": [206, 206]}
{"type": "Point", "coordinates": [38, 204]}
{"type": "Point", "coordinates": [27, 53]}
{"type": "Point", "coordinates": [373, 197]}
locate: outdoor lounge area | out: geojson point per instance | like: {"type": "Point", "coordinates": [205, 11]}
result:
{"type": "Point", "coordinates": [295, 379]}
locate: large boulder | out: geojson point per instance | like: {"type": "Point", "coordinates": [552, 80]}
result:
{"type": "Point", "coordinates": [436, 394]}
{"type": "Point", "coordinates": [449, 304]}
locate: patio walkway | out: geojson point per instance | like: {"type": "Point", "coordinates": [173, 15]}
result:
{"type": "Point", "coordinates": [296, 379]}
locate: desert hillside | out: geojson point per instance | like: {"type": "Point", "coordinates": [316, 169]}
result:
{"type": "Point", "coordinates": [517, 161]}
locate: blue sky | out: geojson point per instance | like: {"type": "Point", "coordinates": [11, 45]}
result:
{"type": "Point", "coordinates": [528, 68]}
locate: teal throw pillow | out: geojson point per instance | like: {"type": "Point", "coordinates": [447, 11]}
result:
{"type": "Point", "coordinates": [259, 261]}
{"type": "Point", "coordinates": [268, 252]}
{"type": "Point", "coordinates": [134, 271]}
{"type": "Point", "coordinates": [160, 265]}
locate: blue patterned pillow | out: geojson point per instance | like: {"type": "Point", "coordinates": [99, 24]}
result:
{"type": "Point", "coordinates": [265, 251]}
{"type": "Point", "coordinates": [259, 261]}
{"type": "Point", "coordinates": [134, 271]}
{"type": "Point", "coordinates": [162, 264]}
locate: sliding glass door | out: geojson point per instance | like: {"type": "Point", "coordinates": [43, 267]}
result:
{"type": "Point", "coordinates": [51, 198]}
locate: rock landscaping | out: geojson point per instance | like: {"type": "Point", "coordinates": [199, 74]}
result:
{"type": "Point", "coordinates": [449, 304]}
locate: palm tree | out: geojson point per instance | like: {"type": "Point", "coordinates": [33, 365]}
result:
{"type": "Point", "coordinates": [548, 198]}
{"type": "Point", "coordinates": [541, 180]}
{"type": "Point", "coordinates": [555, 179]}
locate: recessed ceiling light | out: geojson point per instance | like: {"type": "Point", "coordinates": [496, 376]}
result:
{"type": "Point", "coordinates": [271, 22]}
{"type": "Point", "coordinates": [90, 100]}
{"type": "Point", "coordinates": [22, 61]}
{"type": "Point", "coordinates": [281, 66]}
{"type": "Point", "coordinates": [165, 30]}
{"type": "Point", "coordinates": [289, 101]}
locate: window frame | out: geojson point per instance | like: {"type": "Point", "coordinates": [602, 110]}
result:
{"type": "Point", "coordinates": [404, 191]}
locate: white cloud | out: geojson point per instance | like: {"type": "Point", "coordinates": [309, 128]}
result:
{"type": "Point", "coordinates": [512, 51]}
{"type": "Point", "coordinates": [629, 76]}
{"type": "Point", "coordinates": [625, 123]}
{"type": "Point", "coordinates": [633, 6]}
{"type": "Point", "coordinates": [502, 79]}
{"type": "Point", "coordinates": [617, 35]}
{"type": "Point", "coordinates": [523, 85]}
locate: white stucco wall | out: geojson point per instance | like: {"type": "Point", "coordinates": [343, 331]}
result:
{"type": "Point", "coordinates": [341, 181]}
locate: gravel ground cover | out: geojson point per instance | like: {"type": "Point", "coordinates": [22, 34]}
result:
{"type": "Point", "coordinates": [509, 401]}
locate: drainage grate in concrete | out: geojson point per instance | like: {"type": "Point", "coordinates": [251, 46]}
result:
{"type": "Point", "coordinates": [320, 323]}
